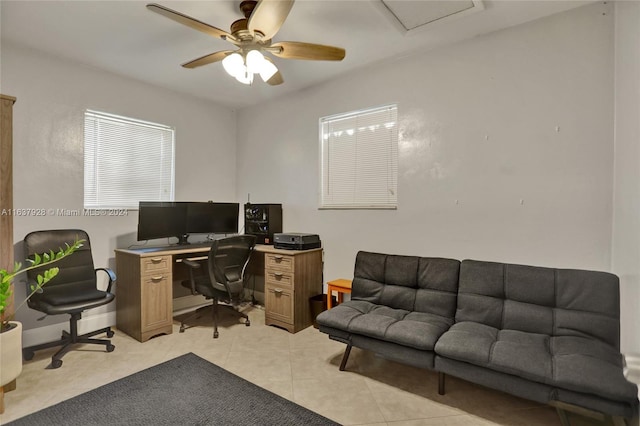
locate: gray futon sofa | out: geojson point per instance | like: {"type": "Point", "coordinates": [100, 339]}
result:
{"type": "Point", "coordinates": [548, 335]}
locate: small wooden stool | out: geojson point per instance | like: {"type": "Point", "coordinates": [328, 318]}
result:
{"type": "Point", "coordinates": [341, 286]}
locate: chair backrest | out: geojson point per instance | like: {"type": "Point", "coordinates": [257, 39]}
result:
{"type": "Point", "coordinates": [412, 283]}
{"type": "Point", "coordinates": [228, 259]}
{"type": "Point", "coordinates": [77, 272]}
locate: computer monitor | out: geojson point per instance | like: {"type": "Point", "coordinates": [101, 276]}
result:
{"type": "Point", "coordinates": [212, 218]}
{"type": "Point", "coordinates": [159, 219]}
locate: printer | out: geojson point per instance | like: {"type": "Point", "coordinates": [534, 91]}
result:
{"type": "Point", "coordinates": [296, 241]}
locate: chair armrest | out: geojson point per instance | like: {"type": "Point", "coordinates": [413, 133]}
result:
{"type": "Point", "coordinates": [112, 277]}
{"type": "Point", "coordinates": [191, 263]}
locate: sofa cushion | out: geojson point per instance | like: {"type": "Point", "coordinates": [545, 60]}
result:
{"type": "Point", "coordinates": [417, 330]}
{"type": "Point", "coordinates": [569, 362]}
{"type": "Point", "coordinates": [556, 302]}
{"type": "Point", "coordinates": [411, 283]}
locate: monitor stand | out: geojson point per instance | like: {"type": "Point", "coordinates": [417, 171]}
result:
{"type": "Point", "coordinates": [182, 239]}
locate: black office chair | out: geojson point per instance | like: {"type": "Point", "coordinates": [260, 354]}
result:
{"type": "Point", "coordinates": [227, 262]}
{"type": "Point", "coordinates": [71, 292]}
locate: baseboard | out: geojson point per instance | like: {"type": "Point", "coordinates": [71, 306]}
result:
{"type": "Point", "coordinates": [632, 369]}
{"type": "Point", "coordinates": [633, 364]}
{"type": "Point", "coordinates": [48, 333]}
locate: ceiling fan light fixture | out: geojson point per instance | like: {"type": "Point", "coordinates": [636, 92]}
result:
{"type": "Point", "coordinates": [267, 70]}
{"type": "Point", "coordinates": [234, 65]}
{"type": "Point", "coordinates": [244, 77]}
{"type": "Point", "coordinates": [255, 61]}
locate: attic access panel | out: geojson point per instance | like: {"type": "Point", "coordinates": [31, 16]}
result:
{"type": "Point", "coordinates": [410, 16]}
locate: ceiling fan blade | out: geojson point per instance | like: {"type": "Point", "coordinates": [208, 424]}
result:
{"type": "Point", "coordinates": [207, 59]}
{"type": "Point", "coordinates": [190, 22]}
{"type": "Point", "coordinates": [309, 51]}
{"type": "Point", "coordinates": [268, 16]}
{"type": "Point", "coordinates": [276, 79]}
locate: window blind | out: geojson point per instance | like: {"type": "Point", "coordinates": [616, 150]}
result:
{"type": "Point", "coordinates": [126, 161]}
{"type": "Point", "coordinates": [360, 159]}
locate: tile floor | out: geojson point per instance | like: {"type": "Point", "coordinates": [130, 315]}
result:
{"type": "Point", "coordinates": [302, 367]}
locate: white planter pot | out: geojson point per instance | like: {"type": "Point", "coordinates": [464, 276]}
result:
{"type": "Point", "coordinates": [10, 354]}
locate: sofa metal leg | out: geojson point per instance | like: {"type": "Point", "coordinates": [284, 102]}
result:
{"type": "Point", "coordinates": [562, 415]}
{"type": "Point", "coordinates": [441, 377]}
{"type": "Point", "coordinates": [623, 421]}
{"type": "Point", "coordinates": [562, 408]}
{"type": "Point", "coordinates": [345, 357]}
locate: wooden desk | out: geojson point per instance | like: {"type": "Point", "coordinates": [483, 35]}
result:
{"type": "Point", "coordinates": [144, 302]}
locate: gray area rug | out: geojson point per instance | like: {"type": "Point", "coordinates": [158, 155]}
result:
{"type": "Point", "coordinates": [187, 390]}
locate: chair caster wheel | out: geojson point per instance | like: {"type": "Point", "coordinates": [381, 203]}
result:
{"type": "Point", "coordinates": [56, 363]}
{"type": "Point", "coordinates": [110, 334]}
{"type": "Point", "coordinates": [110, 348]}
{"type": "Point", "coordinates": [247, 323]}
{"type": "Point", "coordinates": [182, 328]}
{"type": "Point", "coordinates": [27, 355]}
{"type": "Point", "coordinates": [215, 334]}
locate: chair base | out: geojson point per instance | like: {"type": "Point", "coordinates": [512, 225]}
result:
{"type": "Point", "coordinates": [68, 340]}
{"type": "Point", "coordinates": [214, 313]}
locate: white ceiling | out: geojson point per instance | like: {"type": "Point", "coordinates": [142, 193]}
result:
{"type": "Point", "coordinates": [125, 38]}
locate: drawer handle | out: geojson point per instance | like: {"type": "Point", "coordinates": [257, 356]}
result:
{"type": "Point", "coordinates": [158, 278]}
{"type": "Point", "coordinates": [156, 259]}
{"type": "Point", "coordinates": [277, 290]}
{"type": "Point", "coordinates": [278, 258]}
{"type": "Point", "coordinates": [277, 274]}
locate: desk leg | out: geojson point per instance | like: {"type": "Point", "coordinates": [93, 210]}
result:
{"type": "Point", "coordinates": [340, 297]}
{"type": "Point", "coordinates": [329, 297]}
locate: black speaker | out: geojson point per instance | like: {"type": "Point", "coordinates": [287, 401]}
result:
{"type": "Point", "coordinates": [263, 220]}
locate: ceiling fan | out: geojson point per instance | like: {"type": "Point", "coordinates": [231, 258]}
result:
{"type": "Point", "coordinates": [252, 36]}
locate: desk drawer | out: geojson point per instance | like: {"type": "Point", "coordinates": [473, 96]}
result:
{"type": "Point", "coordinates": [278, 303]}
{"type": "Point", "coordinates": [278, 261]}
{"type": "Point", "coordinates": [156, 301]}
{"type": "Point", "coordinates": [279, 278]}
{"type": "Point", "coordinates": [151, 265]}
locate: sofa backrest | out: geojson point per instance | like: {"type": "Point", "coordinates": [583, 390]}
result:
{"type": "Point", "coordinates": [420, 284]}
{"type": "Point", "coordinates": [555, 302]}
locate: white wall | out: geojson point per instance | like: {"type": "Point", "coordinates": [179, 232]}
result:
{"type": "Point", "coordinates": [626, 219]}
{"type": "Point", "coordinates": [477, 124]}
{"type": "Point", "coordinates": [48, 147]}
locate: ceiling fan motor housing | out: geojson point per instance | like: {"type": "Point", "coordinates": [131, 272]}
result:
{"type": "Point", "coordinates": [247, 7]}
{"type": "Point", "coordinates": [240, 28]}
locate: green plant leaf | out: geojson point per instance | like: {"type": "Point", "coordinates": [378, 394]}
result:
{"type": "Point", "coordinates": [38, 261]}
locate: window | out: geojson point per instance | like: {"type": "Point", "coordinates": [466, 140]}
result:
{"type": "Point", "coordinates": [360, 159]}
{"type": "Point", "coordinates": [126, 161]}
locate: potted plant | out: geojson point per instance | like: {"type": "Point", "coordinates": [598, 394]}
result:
{"type": "Point", "coordinates": [11, 331]}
